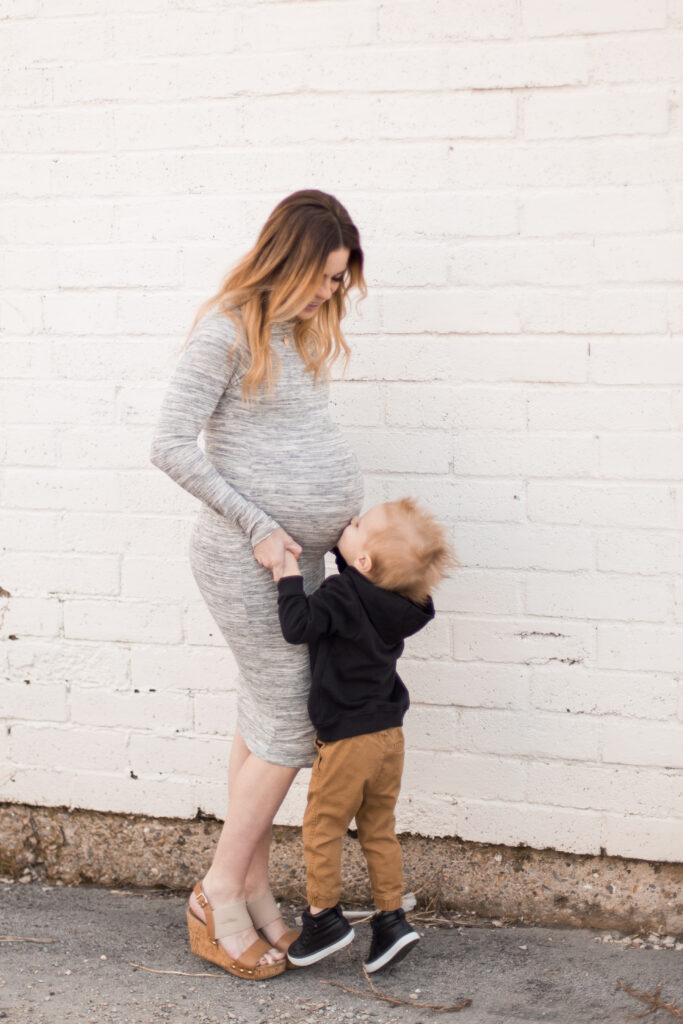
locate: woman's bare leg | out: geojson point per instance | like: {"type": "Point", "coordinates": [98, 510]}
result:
{"type": "Point", "coordinates": [240, 863]}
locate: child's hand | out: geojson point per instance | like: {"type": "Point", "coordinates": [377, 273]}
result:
{"type": "Point", "coordinates": [291, 566]}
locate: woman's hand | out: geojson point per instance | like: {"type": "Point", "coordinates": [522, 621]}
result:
{"type": "Point", "coordinates": [270, 553]}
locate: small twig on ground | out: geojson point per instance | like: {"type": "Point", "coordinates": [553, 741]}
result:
{"type": "Point", "coordinates": [183, 974]}
{"type": "Point", "coordinates": [653, 999]}
{"type": "Point", "coordinates": [16, 938]}
{"type": "Point", "coordinates": [376, 994]}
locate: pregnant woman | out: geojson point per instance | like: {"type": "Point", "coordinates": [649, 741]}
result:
{"type": "Point", "coordinates": [275, 475]}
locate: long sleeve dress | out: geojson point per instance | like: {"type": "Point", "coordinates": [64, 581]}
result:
{"type": "Point", "coordinates": [277, 460]}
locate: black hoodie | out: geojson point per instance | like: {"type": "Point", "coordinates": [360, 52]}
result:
{"type": "Point", "coordinates": [355, 632]}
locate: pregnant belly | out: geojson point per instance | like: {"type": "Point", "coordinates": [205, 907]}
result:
{"type": "Point", "coordinates": [312, 486]}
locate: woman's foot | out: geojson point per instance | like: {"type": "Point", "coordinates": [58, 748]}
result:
{"type": "Point", "coordinates": [235, 945]}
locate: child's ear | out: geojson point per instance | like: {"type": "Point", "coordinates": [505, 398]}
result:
{"type": "Point", "coordinates": [363, 563]}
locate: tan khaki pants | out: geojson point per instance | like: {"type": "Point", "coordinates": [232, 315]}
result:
{"type": "Point", "coordinates": [356, 778]}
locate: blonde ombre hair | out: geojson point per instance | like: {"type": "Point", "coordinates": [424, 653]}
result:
{"type": "Point", "coordinates": [411, 555]}
{"type": "Point", "coordinates": [277, 278]}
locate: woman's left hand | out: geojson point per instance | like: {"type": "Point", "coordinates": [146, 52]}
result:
{"type": "Point", "coordinates": [270, 553]}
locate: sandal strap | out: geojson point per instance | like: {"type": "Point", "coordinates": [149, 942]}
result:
{"type": "Point", "coordinates": [263, 910]}
{"type": "Point", "coordinates": [225, 920]}
{"type": "Point", "coordinates": [253, 954]}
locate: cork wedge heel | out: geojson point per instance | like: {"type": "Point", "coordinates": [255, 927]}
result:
{"type": "Point", "coordinates": [263, 910]}
{"type": "Point", "coordinates": [220, 924]}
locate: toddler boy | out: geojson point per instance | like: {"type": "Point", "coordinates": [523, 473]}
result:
{"type": "Point", "coordinates": [389, 561]}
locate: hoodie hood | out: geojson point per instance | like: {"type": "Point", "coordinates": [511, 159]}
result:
{"type": "Point", "coordinates": [393, 616]}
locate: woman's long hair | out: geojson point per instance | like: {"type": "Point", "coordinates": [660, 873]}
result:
{"type": "Point", "coordinates": [279, 276]}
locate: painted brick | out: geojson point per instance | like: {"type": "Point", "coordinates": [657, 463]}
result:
{"type": "Point", "coordinates": [25, 700]}
{"type": "Point", "coordinates": [133, 621]}
{"type": "Point", "coordinates": [178, 32]}
{"type": "Point", "coordinates": [30, 617]}
{"type": "Point", "coordinates": [642, 456]}
{"type": "Point", "coordinates": [606, 310]}
{"type": "Point", "coordinates": [649, 553]}
{"type": "Point", "coordinates": [461, 310]}
{"type": "Point", "coordinates": [645, 837]}
{"type": "Point", "coordinates": [600, 788]}
{"type": "Point", "coordinates": [356, 405]}
{"type": "Point", "coordinates": [596, 211]}
{"type": "Point", "coordinates": [349, 24]}
{"type": "Point", "coordinates": [598, 596]}
{"type": "Point", "coordinates": [408, 265]}
{"type": "Point", "coordinates": [61, 489]}
{"type": "Point", "coordinates": [617, 505]}
{"type": "Point", "coordinates": [538, 736]}
{"type": "Point", "coordinates": [48, 746]}
{"type": "Point", "coordinates": [522, 546]}
{"type": "Point", "coordinates": [473, 358]}
{"type": "Point", "coordinates": [30, 446]}
{"type": "Point", "coordinates": [649, 259]}
{"type": "Point", "coordinates": [456, 407]}
{"type": "Point", "coordinates": [466, 684]}
{"type": "Point", "coordinates": [562, 455]}
{"type": "Point", "coordinates": [146, 578]}
{"type": "Point", "coordinates": [434, 641]}
{"type": "Point", "coordinates": [525, 824]}
{"type": "Point", "coordinates": [476, 778]}
{"type": "Point", "coordinates": [29, 532]}
{"type": "Point", "coordinates": [553, 17]}
{"type": "Point", "coordinates": [200, 628]}
{"type": "Point", "coordinates": [122, 267]}
{"type": "Point", "coordinates": [51, 663]}
{"type": "Point", "coordinates": [177, 756]}
{"type": "Point", "coordinates": [555, 263]}
{"type": "Point", "coordinates": [165, 713]}
{"type": "Point", "coordinates": [524, 641]}
{"type": "Point", "coordinates": [637, 648]}
{"type": "Point", "coordinates": [431, 729]}
{"type": "Point", "coordinates": [593, 409]}
{"type": "Point", "coordinates": [378, 451]}
{"type": "Point", "coordinates": [454, 500]}
{"type": "Point", "coordinates": [473, 591]}
{"type": "Point", "coordinates": [644, 743]}
{"type": "Point", "coordinates": [518, 64]}
{"type": "Point", "coordinates": [61, 574]}
{"type": "Point", "coordinates": [436, 20]}
{"type": "Point", "coordinates": [581, 690]}
{"type": "Point", "coordinates": [182, 669]}
{"type": "Point", "coordinates": [647, 360]}
{"type": "Point", "coordinates": [636, 58]}
{"type": "Point", "coordinates": [216, 713]}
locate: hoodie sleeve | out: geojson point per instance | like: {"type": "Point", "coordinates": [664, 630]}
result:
{"type": "Point", "coordinates": [331, 609]}
{"type": "Point", "coordinates": [203, 374]}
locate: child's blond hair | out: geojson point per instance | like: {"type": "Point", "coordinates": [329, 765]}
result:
{"type": "Point", "coordinates": [412, 555]}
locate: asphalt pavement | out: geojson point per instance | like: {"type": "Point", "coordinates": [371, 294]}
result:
{"type": "Point", "coordinates": [78, 956]}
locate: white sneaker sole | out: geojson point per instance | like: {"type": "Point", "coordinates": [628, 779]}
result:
{"type": "Point", "coordinates": [320, 954]}
{"type": "Point", "coordinates": [393, 952]}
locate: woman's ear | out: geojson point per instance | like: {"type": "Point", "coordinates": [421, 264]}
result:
{"type": "Point", "coordinates": [363, 563]}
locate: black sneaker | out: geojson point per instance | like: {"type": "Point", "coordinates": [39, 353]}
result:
{"type": "Point", "coordinates": [392, 939]}
{"type": "Point", "coordinates": [321, 934]}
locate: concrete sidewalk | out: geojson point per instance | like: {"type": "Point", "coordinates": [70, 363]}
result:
{"type": "Point", "coordinates": [511, 974]}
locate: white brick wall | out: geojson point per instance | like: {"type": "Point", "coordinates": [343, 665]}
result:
{"type": "Point", "coordinates": [515, 167]}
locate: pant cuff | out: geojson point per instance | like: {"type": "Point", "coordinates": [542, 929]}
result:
{"type": "Point", "coordinates": [321, 899]}
{"type": "Point", "coordinates": [388, 903]}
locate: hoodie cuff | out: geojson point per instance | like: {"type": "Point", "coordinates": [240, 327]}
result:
{"type": "Point", "coordinates": [290, 585]}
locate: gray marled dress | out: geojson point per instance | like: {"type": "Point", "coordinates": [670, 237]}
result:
{"type": "Point", "coordinates": [279, 461]}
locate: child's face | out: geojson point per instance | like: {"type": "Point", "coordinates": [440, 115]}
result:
{"type": "Point", "coordinates": [354, 543]}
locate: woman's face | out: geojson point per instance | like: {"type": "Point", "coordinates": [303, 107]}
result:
{"type": "Point", "coordinates": [333, 274]}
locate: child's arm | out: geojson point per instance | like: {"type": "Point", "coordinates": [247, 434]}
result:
{"type": "Point", "coordinates": [304, 619]}
{"type": "Point", "coordinates": [291, 567]}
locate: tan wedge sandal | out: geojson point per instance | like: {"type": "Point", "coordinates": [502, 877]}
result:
{"type": "Point", "coordinates": [263, 911]}
{"type": "Point", "coordinates": [220, 924]}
